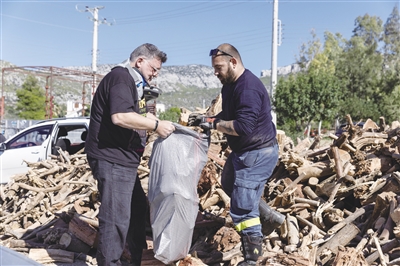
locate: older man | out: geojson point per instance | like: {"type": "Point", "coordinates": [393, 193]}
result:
{"type": "Point", "coordinates": [114, 145]}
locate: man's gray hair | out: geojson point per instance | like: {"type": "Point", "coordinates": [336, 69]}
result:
{"type": "Point", "coordinates": [148, 51]}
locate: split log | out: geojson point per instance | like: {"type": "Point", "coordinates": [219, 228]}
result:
{"type": "Point", "coordinates": [342, 238]}
{"type": "Point", "coordinates": [381, 204]}
{"type": "Point", "coordinates": [51, 255]}
{"type": "Point", "coordinates": [302, 146]}
{"type": "Point", "coordinates": [389, 225]}
{"type": "Point", "coordinates": [221, 195]}
{"type": "Point", "coordinates": [293, 230]}
{"type": "Point", "coordinates": [17, 243]}
{"type": "Point", "coordinates": [319, 169]}
{"type": "Point", "coordinates": [72, 243]}
{"type": "Point", "coordinates": [83, 231]}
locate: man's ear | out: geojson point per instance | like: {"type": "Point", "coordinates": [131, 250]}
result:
{"type": "Point", "coordinates": [138, 63]}
{"type": "Point", "coordinates": [233, 61]}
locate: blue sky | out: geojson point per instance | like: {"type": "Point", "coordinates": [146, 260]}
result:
{"type": "Point", "coordinates": [54, 33]}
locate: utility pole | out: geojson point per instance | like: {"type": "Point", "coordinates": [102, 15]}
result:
{"type": "Point", "coordinates": [96, 22]}
{"type": "Point", "coordinates": [274, 54]}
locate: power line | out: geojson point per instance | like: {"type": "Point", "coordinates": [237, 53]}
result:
{"type": "Point", "coordinates": [172, 14]}
{"type": "Point", "coordinates": [96, 22]}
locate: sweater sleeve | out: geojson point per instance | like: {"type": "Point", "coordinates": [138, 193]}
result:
{"type": "Point", "coordinates": [249, 103]}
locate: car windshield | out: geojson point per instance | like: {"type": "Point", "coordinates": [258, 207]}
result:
{"type": "Point", "coordinates": [31, 138]}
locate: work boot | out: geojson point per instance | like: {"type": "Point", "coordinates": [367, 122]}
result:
{"type": "Point", "coordinates": [252, 249]}
{"type": "Point", "coordinates": [270, 219]}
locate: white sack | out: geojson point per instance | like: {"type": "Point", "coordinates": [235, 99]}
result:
{"type": "Point", "coordinates": [176, 164]}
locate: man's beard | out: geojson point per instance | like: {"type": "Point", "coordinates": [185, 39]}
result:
{"type": "Point", "coordinates": [229, 77]}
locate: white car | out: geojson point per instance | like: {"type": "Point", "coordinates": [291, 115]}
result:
{"type": "Point", "coordinates": [38, 141]}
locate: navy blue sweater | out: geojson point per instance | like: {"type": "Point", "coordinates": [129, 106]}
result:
{"type": "Point", "coordinates": [247, 103]}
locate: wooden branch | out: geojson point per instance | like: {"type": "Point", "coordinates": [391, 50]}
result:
{"type": "Point", "coordinates": [388, 246]}
{"type": "Point", "coordinates": [379, 249]}
{"type": "Point", "coordinates": [36, 189]}
{"type": "Point", "coordinates": [389, 225]}
{"type": "Point", "coordinates": [318, 152]}
{"type": "Point", "coordinates": [360, 246]}
{"type": "Point", "coordinates": [308, 201]}
{"type": "Point", "coordinates": [344, 145]}
{"type": "Point", "coordinates": [351, 218]}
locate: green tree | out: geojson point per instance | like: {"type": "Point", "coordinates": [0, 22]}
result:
{"type": "Point", "coordinates": [369, 29]}
{"type": "Point", "coordinates": [314, 93]}
{"type": "Point", "coordinates": [309, 51]}
{"type": "Point", "coordinates": [359, 76]}
{"type": "Point", "coordinates": [31, 100]}
{"type": "Point", "coordinates": [389, 106]}
{"type": "Point", "coordinates": [391, 38]}
{"type": "Point", "coordinates": [288, 102]}
{"type": "Point", "coordinates": [308, 96]}
{"type": "Point", "coordinates": [172, 114]}
{"type": "Point", "coordinates": [360, 70]}
{"type": "Point", "coordinates": [334, 47]}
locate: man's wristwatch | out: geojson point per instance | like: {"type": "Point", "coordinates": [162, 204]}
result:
{"type": "Point", "coordinates": [155, 128]}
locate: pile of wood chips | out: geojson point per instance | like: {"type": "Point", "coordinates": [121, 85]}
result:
{"type": "Point", "coordinates": [341, 201]}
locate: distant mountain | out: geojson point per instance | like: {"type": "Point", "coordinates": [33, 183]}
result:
{"type": "Point", "coordinates": [188, 86]}
{"type": "Point", "coordinates": [173, 78]}
{"type": "Point", "coordinates": [282, 71]}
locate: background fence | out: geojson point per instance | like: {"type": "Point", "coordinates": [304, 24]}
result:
{"type": "Point", "coordinates": [9, 127]}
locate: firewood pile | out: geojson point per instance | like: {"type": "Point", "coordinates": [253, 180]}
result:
{"type": "Point", "coordinates": [341, 199]}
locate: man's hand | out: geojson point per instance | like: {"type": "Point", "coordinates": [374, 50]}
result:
{"type": "Point", "coordinates": [165, 128]}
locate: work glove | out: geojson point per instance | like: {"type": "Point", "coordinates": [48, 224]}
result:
{"type": "Point", "coordinates": [206, 125]}
{"type": "Point", "coordinates": [209, 123]}
{"type": "Point", "coordinates": [195, 119]}
{"type": "Point", "coordinates": [205, 122]}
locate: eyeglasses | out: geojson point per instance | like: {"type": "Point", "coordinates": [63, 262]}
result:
{"type": "Point", "coordinates": [155, 70]}
{"type": "Point", "coordinates": [214, 52]}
